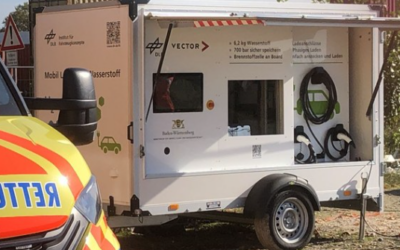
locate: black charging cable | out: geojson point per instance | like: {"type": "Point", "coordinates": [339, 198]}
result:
{"type": "Point", "coordinates": [317, 75]}
{"type": "Point", "coordinates": [338, 133]}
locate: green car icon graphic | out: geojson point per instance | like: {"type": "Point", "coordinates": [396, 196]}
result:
{"type": "Point", "coordinates": [318, 103]}
{"type": "Point", "coordinates": [109, 144]}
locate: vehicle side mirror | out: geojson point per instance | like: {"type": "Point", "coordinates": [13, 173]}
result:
{"type": "Point", "coordinates": [77, 119]}
{"type": "Point", "coordinates": [78, 125]}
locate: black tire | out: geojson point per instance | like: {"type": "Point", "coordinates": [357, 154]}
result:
{"type": "Point", "coordinates": [287, 223]}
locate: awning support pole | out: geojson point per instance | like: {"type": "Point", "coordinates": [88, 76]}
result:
{"type": "Point", "coordinates": [160, 67]}
{"type": "Point", "coordinates": [378, 83]}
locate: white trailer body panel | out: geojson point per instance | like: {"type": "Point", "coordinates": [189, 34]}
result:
{"type": "Point", "coordinates": [98, 39]}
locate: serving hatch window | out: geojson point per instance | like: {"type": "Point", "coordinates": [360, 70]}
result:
{"type": "Point", "coordinates": [178, 92]}
{"type": "Point", "coordinates": [255, 107]}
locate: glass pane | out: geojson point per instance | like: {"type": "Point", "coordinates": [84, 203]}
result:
{"type": "Point", "coordinates": [7, 102]}
{"type": "Point", "coordinates": [178, 92]}
{"type": "Point", "coordinates": [255, 107]}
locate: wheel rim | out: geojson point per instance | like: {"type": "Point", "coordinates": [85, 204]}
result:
{"type": "Point", "coordinates": [291, 220]}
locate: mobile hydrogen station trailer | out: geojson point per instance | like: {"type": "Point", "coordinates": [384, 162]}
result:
{"type": "Point", "coordinates": [209, 105]}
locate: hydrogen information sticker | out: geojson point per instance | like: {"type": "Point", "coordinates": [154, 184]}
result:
{"type": "Point", "coordinates": [213, 204]}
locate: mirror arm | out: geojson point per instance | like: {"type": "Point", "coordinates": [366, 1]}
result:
{"type": "Point", "coordinates": [58, 104]}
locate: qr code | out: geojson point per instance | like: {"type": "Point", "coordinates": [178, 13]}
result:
{"type": "Point", "coordinates": [256, 151]}
{"type": "Point", "coordinates": [113, 34]}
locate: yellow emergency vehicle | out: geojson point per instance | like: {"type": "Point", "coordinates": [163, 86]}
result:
{"type": "Point", "coordinates": [48, 197]}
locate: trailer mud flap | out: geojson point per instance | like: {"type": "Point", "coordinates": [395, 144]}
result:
{"type": "Point", "coordinates": [265, 189]}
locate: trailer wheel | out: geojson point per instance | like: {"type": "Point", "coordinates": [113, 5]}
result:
{"type": "Point", "coordinates": [287, 223]}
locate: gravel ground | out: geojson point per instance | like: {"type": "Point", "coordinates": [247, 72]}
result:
{"type": "Point", "coordinates": [335, 229]}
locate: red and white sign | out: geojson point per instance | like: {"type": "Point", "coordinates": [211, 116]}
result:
{"type": "Point", "coordinates": [212, 23]}
{"type": "Point", "coordinates": [12, 39]}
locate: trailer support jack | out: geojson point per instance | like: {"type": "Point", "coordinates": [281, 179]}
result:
{"type": "Point", "coordinates": [363, 196]}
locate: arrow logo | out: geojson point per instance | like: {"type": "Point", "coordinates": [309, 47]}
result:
{"type": "Point", "coordinates": [205, 46]}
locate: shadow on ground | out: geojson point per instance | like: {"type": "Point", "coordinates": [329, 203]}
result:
{"type": "Point", "coordinates": [393, 192]}
{"type": "Point", "coordinates": [210, 236]}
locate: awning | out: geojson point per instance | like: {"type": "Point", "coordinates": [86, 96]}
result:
{"type": "Point", "coordinates": [211, 19]}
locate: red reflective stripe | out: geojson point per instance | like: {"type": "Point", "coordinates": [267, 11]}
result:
{"type": "Point", "coordinates": [86, 247]}
{"type": "Point", "coordinates": [16, 164]}
{"type": "Point", "coordinates": [61, 164]}
{"type": "Point", "coordinates": [220, 23]}
{"type": "Point", "coordinates": [100, 239]}
{"type": "Point", "coordinates": [25, 225]}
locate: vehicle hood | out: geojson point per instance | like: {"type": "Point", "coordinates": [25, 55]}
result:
{"type": "Point", "coordinates": [41, 176]}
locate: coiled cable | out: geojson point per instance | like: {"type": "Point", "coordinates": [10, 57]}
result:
{"type": "Point", "coordinates": [318, 75]}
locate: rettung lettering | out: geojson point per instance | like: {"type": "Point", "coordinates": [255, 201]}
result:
{"type": "Point", "coordinates": [34, 194]}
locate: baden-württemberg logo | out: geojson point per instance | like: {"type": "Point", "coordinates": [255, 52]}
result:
{"type": "Point", "coordinates": [178, 132]}
{"type": "Point", "coordinates": [178, 124]}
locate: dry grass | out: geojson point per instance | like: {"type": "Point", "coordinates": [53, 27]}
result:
{"type": "Point", "coordinates": [341, 232]}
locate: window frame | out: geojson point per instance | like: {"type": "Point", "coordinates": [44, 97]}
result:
{"type": "Point", "coordinates": [262, 92]}
{"type": "Point", "coordinates": [13, 90]}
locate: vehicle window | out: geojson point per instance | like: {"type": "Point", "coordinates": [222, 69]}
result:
{"type": "Point", "coordinates": [255, 107]}
{"type": "Point", "coordinates": [7, 102]}
{"type": "Point", "coordinates": [178, 92]}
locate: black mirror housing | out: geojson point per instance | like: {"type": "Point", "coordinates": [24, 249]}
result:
{"type": "Point", "coordinates": [77, 119]}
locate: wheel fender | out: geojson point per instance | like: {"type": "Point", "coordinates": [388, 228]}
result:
{"type": "Point", "coordinates": [265, 189]}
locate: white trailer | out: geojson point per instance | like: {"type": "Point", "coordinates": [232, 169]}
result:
{"type": "Point", "coordinates": [210, 105]}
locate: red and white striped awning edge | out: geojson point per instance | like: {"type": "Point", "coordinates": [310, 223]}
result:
{"type": "Point", "coordinates": [214, 23]}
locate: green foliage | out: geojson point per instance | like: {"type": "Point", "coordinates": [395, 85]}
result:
{"type": "Point", "coordinates": [392, 99]}
{"type": "Point", "coordinates": [20, 16]}
{"type": "Point", "coordinates": [392, 181]}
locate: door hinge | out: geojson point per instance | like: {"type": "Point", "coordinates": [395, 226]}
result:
{"type": "Point", "coordinates": [377, 140]}
{"type": "Point", "coordinates": [141, 151]}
